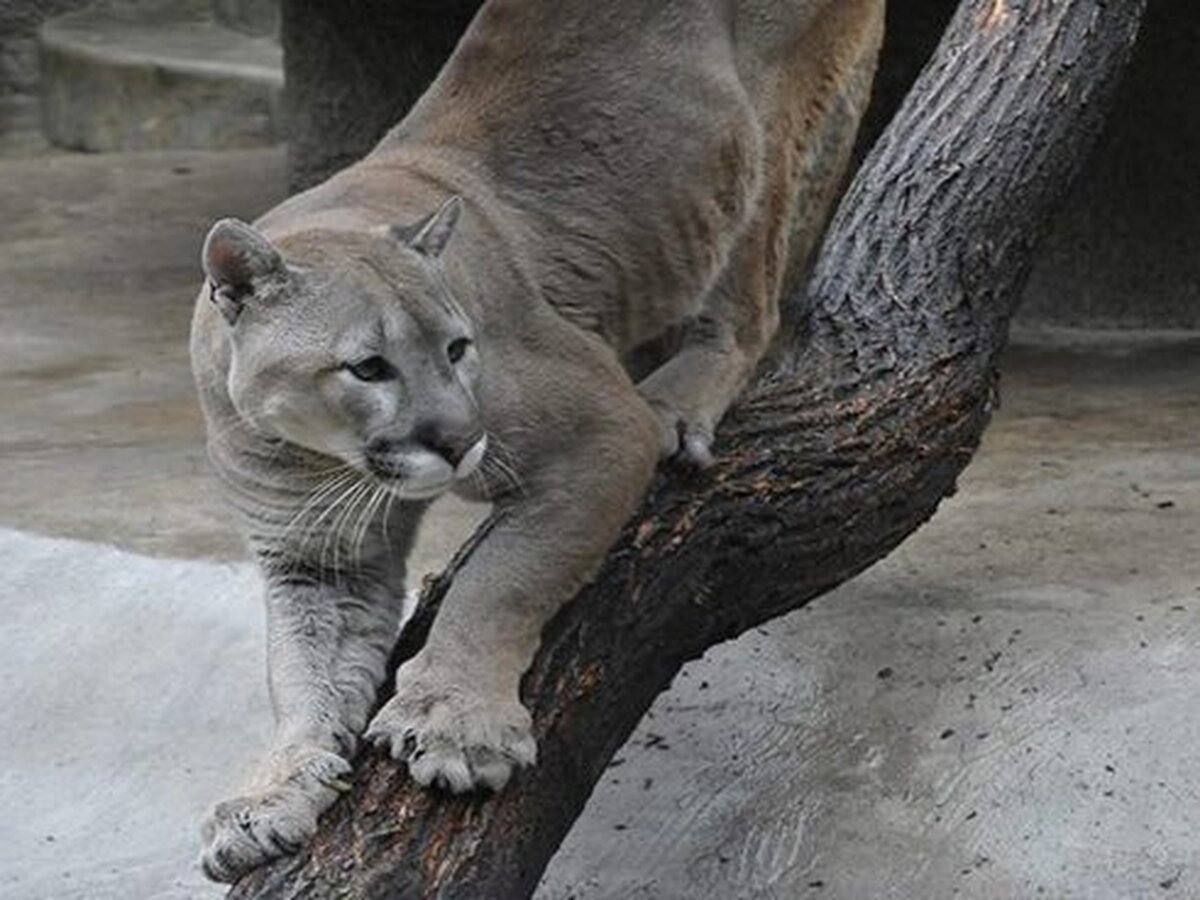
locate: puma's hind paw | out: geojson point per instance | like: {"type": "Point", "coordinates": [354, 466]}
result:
{"type": "Point", "coordinates": [683, 439]}
{"type": "Point", "coordinates": [685, 425]}
{"type": "Point", "coordinates": [246, 832]}
{"type": "Point", "coordinates": [693, 445]}
{"type": "Point", "coordinates": [454, 738]}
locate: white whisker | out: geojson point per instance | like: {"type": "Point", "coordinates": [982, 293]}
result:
{"type": "Point", "coordinates": [359, 534]}
{"type": "Point", "coordinates": [317, 499]}
{"type": "Point", "coordinates": [387, 515]}
{"type": "Point", "coordinates": [330, 539]}
{"type": "Point", "coordinates": [501, 464]}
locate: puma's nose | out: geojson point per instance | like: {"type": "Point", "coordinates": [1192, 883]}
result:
{"type": "Point", "coordinates": [450, 444]}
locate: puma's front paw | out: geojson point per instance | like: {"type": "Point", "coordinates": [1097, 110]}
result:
{"type": "Point", "coordinates": [242, 834]}
{"type": "Point", "coordinates": [452, 736]}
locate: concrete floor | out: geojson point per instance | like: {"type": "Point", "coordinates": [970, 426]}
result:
{"type": "Point", "coordinates": [1002, 709]}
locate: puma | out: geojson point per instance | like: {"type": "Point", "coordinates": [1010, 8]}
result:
{"type": "Point", "coordinates": [468, 309]}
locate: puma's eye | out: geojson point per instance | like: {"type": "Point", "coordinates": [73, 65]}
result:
{"type": "Point", "coordinates": [373, 368]}
{"type": "Point", "coordinates": [457, 349]}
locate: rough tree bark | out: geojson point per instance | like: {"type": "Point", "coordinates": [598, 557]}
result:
{"type": "Point", "coordinates": [874, 405]}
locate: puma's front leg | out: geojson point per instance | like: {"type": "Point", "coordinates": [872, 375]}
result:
{"type": "Point", "coordinates": [457, 718]}
{"type": "Point", "coordinates": [327, 653]}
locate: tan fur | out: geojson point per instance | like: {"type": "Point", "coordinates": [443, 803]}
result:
{"type": "Point", "coordinates": [627, 170]}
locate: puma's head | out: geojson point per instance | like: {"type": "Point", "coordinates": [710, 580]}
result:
{"type": "Point", "coordinates": [352, 345]}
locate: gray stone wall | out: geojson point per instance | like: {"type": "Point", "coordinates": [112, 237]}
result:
{"type": "Point", "coordinates": [19, 21]}
{"type": "Point", "coordinates": [353, 69]}
{"type": "Point", "coordinates": [259, 18]}
{"type": "Point", "coordinates": [1125, 252]}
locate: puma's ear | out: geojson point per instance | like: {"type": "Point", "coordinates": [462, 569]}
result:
{"type": "Point", "coordinates": [234, 256]}
{"type": "Point", "coordinates": [431, 235]}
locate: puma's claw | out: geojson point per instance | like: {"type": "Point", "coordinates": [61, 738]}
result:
{"type": "Point", "coordinates": [686, 443]}
{"type": "Point", "coordinates": [685, 437]}
{"type": "Point", "coordinates": [695, 446]}
{"type": "Point", "coordinates": [246, 832]}
{"type": "Point", "coordinates": [453, 738]}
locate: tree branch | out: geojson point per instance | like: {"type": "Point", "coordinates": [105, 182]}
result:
{"type": "Point", "coordinates": [876, 404]}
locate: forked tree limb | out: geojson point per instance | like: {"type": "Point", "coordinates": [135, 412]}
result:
{"type": "Point", "coordinates": [874, 406]}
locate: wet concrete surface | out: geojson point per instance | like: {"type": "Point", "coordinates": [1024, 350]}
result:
{"type": "Point", "coordinates": [98, 271]}
{"type": "Point", "coordinates": [1002, 709]}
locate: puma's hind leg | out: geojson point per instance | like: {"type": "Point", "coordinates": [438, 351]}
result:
{"type": "Point", "coordinates": [811, 110]}
{"type": "Point", "coordinates": [691, 390]}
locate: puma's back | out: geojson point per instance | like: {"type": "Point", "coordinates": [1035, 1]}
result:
{"type": "Point", "coordinates": [638, 141]}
